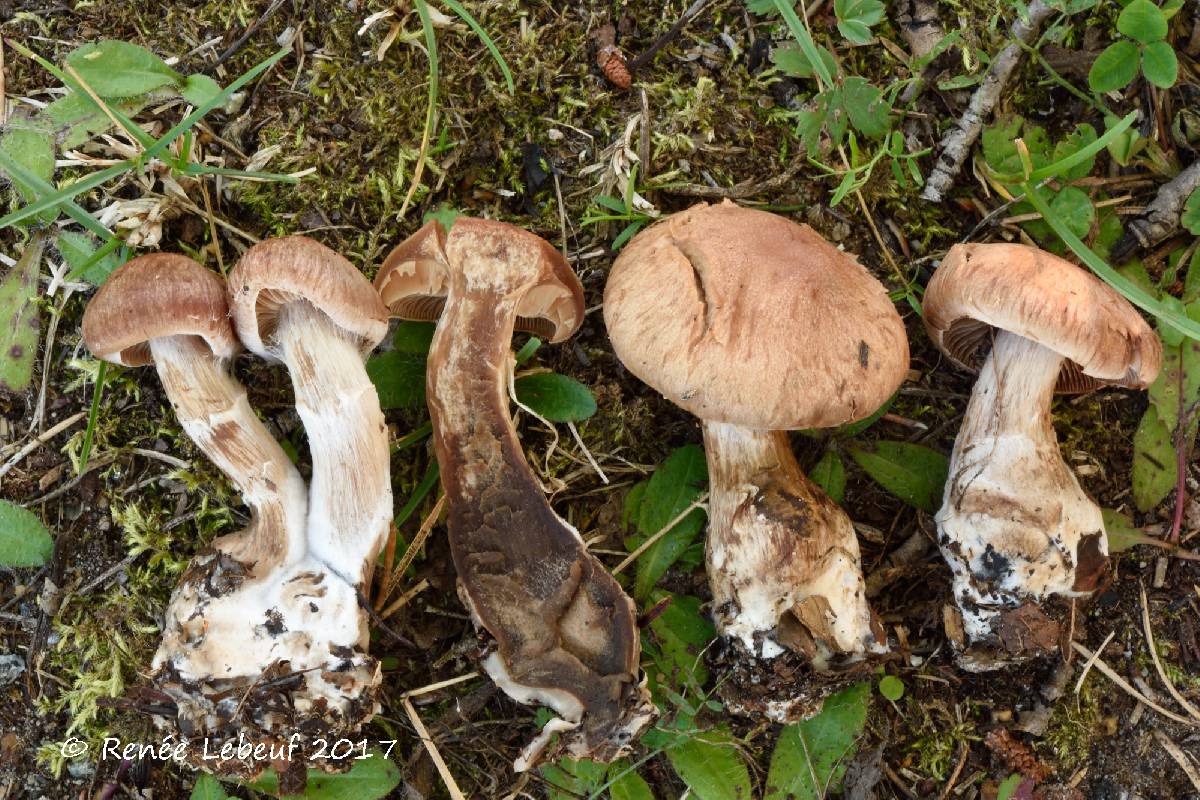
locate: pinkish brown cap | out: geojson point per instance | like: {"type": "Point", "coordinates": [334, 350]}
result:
{"type": "Point", "coordinates": [277, 271]}
{"type": "Point", "coordinates": [415, 277]}
{"type": "Point", "coordinates": [980, 288]}
{"type": "Point", "coordinates": [155, 295]}
{"type": "Point", "coordinates": [745, 317]}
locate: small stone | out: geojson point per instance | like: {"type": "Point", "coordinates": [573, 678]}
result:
{"type": "Point", "coordinates": [81, 769]}
{"type": "Point", "coordinates": [11, 667]}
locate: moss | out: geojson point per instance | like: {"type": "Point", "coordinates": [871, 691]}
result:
{"type": "Point", "coordinates": [1074, 725]}
{"type": "Point", "coordinates": [936, 732]}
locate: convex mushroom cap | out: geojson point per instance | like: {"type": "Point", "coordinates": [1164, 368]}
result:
{"type": "Point", "coordinates": [152, 296]}
{"type": "Point", "coordinates": [746, 317]}
{"type": "Point", "coordinates": [981, 288]}
{"type": "Point", "coordinates": [277, 271]}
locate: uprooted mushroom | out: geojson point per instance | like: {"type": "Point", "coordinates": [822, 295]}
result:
{"type": "Point", "coordinates": [1015, 526]}
{"type": "Point", "coordinates": [264, 638]}
{"type": "Point", "coordinates": [759, 326]}
{"type": "Point", "coordinates": [564, 632]}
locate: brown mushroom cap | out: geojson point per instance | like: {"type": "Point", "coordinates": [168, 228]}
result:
{"type": "Point", "coordinates": [746, 317]}
{"type": "Point", "coordinates": [155, 295]}
{"type": "Point", "coordinates": [415, 277]}
{"type": "Point", "coordinates": [277, 271]}
{"type": "Point", "coordinates": [1037, 295]}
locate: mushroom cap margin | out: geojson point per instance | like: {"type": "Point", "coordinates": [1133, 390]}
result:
{"type": "Point", "coordinates": [415, 277]}
{"type": "Point", "coordinates": [1035, 294]}
{"type": "Point", "coordinates": [277, 271]}
{"type": "Point", "coordinates": [155, 295]}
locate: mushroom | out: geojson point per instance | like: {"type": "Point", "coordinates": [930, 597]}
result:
{"type": "Point", "coordinates": [247, 639]}
{"type": "Point", "coordinates": [564, 632]}
{"type": "Point", "coordinates": [1015, 526]}
{"type": "Point", "coordinates": [758, 326]}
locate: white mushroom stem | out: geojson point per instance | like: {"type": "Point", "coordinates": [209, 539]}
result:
{"type": "Point", "coordinates": [1015, 525]}
{"type": "Point", "coordinates": [213, 408]}
{"type": "Point", "coordinates": [273, 639]}
{"type": "Point", "coordinates": [350, 505]}
{"type": "Point", "coordinates": [783, 559]}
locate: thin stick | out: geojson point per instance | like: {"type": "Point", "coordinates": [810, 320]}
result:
{"type": "Point", "coordinates": [434, 755]}
{"type": "Point", "coordinates": [1134, 693]}
{"type": "Point", "coordinates": [3, 88]}
{"type": "Point", "coordinates": [956, 145]}
{"type": "Point", "coordinates": [586, 452]}
{"type": "Point", "coordinates": [1180, 757]}
{"type": "Point", "coordinates": [644, 57]}
{"type": "Point", "coordinates": [661, 533]}
{"type": "Point", "coordinates": [35, 443]}
{"type": "Point", "coordinates": [1087, 665]}
{"type": "Point", "coordinates": [433, 687]}
{"type": "Point", "coordinates": [962, 762]}
{"type": "Point", "coordinates": [404, 599]}
{"type": "Point", "coordinates": [396, 575]}
{"type": "Point", "coordinates": [1188, 707]}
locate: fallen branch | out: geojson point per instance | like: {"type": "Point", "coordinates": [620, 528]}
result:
{"type": "Point", "coordinates": [956, 144]}
{"type": "Point", "coordinates": [1160, 219]}
{"type": "Point", "coordinates": [922, 30]}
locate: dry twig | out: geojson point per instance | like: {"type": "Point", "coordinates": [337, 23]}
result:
{"type": "Point", "coordinates": [956, 144]}
{"type": "Point", "coordinates": [1160, 219]}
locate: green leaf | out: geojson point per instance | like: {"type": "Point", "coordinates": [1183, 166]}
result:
{"type": "Point", "coordinates": [1143, 21]}
{"type": "Point", "coordinates": [911, 472]}
{"type": "Point", "coordinates": [1074, 142]}
{"type": "Point", "coordinates": [443, 214]}
{"type": "Point", "coordinates": [199, 89]}
{"type": "Point", "coordinates": [1159, 64]}
{"type": "Point", "coordinates": [1191, 214]}
{"type": "Point", "coordinates": [679, 635]}
{"type": "Point", "coordinates": [865, 106]}
{"type": "Point", "coordinates": [20, 318]}
{"type": "Point", "coordinates": [114, 68]}
{"type": "Point", "coordinates": [556, 397]}
{"type": "Point", "coordinates": [1122, 534]}
{"type": "Point", "coordinates": [712, 767]}
{"type": "Point", "coordinates": [1173, 393]}
{"type": "Point", "coordinates": [830, 474]}
{"type": "Point", "coordinates": [399, 378]}
{"type": "Point", "coordinates": [1008, 787]}
{"type": "Point", "coordinates": [891, 687]}
{"type": "Point", "coordinates": [810, 757]}
{"type": "Point", "coordinates": [1115, 67]}
{"type": "Point", "coordinates": [572, 778]}
{"type": "Point", "coordinates": [369, 779]}
{"type": "Point", "coordinates": [855, 18]}
{"type": "Point", "coordinates": [675, 485]}
{"type": "Point", "coordinates": [792, 61]}
{"type": "Point", "coordinates": [1125, 145]}
{"type": "Point", "coordinates": [24, 540]}
{"type": "Point", "coordinates": [77, 249]}
{"type": "Point", "coordinates": [1075, 209]}
{"type": "Point", "coordinates": [208, 788]}
{"type": "Point", "coordinates": [627, 784]}
{"type": "Point", "coordinates": [32, 148]}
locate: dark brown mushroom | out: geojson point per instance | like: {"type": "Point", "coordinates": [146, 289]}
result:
{"type": "Point", "coordinates": [564, 632]}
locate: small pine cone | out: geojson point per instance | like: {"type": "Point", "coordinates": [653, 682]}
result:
{"type": "Point", "coordinates": [611, 61]}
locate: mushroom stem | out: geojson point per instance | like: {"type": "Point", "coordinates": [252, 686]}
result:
{"type": "Point", "coordinates": [350, 505]}
{"type": "Point", "coordinates": [564, 629]}
{"type": "Point", "coordinates": [215, 412]}
{"type": "Point", "coordinates": [1015, 524]}
{"type": "Point", "coordinates": [783, 559]}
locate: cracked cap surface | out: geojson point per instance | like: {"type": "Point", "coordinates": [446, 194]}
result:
{"type": "Point", "coordinates": [415, 277]}
{"type": "Point", "coordinates": [155, 295]}
{"type": "Point", "coordinates": [277, 271]}
{"type": "Point", "coordinates": [1024, 290]}
{"type": "Point", "coordinates": [745, 317]}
